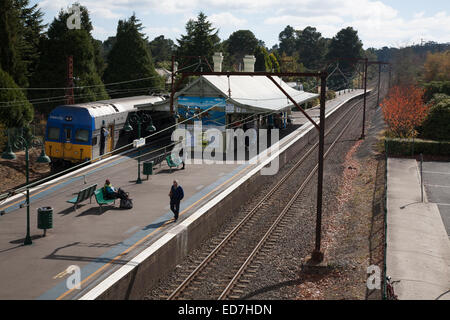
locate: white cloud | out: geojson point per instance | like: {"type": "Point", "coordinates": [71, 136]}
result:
{"type": "Point", "coordinates": [153, 32]}
{"type": "Point", "coordinates": [100, 32]}
{"type": "Point", "coordinates": [378, 24]}
{"type": "Point", "coordinates": [226, 20]}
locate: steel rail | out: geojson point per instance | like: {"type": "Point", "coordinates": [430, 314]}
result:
{"type": "Point", "coordinates": [269, 232]}
{"type": "Point", "coordinates": [234, 231]}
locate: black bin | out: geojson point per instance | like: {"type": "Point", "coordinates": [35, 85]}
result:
{"type": "Point", "coordinates": [148, 168]}
{"type": "Point", "coordinates": [45, 218]}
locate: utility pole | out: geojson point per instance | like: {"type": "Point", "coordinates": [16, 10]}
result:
{"type": "Point", "coordinates": [390, 75]}
{"type": "Point", "coordinates": [379, 85]}
{"type": "Point", "coordinates": [366, 62]}
{"type": "Point", "coordinates": [69, 92]}
{"type": "Point", "coordinates": [317, 255]}
{"type": "Point", "coordinates": [172, 92]}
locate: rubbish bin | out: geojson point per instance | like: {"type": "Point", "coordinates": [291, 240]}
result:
{"type": "Point", "coordinates": [45, 218]}
{"type": "Point", "coordinates": [148, 168]}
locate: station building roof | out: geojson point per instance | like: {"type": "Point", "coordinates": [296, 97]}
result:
{"type": "Point", "coordinates": [250, 93]}
{"type": "Point", "coordinates": [258, 92]}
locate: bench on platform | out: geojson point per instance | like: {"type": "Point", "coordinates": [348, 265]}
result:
{"type": "Point", "coordinates": [101, 200]}
{"type": "Point", "coordinates": [173, 163]}
{"type": "Point", "coordinates": [84, 194]}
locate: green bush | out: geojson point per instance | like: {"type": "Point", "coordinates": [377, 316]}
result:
{"type": "Point", "coordinates": [434, 87]}
{"type": "Point", "coordinates": [330, 95]}
{"type": "Point", "coordinates": [3, 137]}
{"type": "Point", "coordinates": [437, 124]}
{"type": "Point", "coordinates": [409, 147]}
{"type": "Point", "coordinates": [312, 103]}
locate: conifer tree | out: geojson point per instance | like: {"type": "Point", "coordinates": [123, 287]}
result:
{"type": "Point", "coordinates": [346, 44]}
{"type": "Point", "coordinates": [130, 59]}
{"type": "Point", "coordinates": [201, 39]}
{"type": "Point", "coordinates": [33, 33]}
{"type": "Point", "coordinates": [263, 62]}
{"type": "Point", "coordinates": [52, 68]}
{"type": "Point", "coordinates": [17, 112]}
{"type": "Point", "coordinates": [11, 40]}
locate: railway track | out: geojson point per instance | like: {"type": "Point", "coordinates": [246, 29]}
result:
{"type": "Point", "coordinates": [233, 258]}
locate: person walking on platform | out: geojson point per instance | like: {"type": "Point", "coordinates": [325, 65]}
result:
{"type": "Point", "coordinates": [176, 195]}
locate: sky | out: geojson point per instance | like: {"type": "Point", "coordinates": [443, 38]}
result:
{"type": "Point", "coordinates": [392, 23]}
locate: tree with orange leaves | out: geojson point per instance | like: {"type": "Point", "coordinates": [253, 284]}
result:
{"type": "Point", "coordinates": [404, 110]}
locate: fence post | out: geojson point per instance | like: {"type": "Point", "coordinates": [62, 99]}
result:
{"type": "Point", "coordinates": [421, 176]}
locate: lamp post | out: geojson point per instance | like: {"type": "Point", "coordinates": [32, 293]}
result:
{"type": "Point", "coordinates": [22, 143]}
{"type": "Point", "coordinates": [139, 119]}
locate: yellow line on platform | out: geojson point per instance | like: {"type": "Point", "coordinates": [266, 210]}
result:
{"type": "Point", "coordinates": [146, 237]}
{"type": "Point", "coordinates": [56, 184]}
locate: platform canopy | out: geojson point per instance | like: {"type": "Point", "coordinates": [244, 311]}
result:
{"type": "Point", "coordinates": [252, 94]}
{"type": "Point", "coordinates": [258, 93]}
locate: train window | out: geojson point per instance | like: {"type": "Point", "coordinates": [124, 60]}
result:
{"type": "Point", "coordinates": [53, 133]}
{"type": "Point", "coordinates": [82, 135]}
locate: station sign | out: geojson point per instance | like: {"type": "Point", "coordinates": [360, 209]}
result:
{"type": "Point", "coordinates": [139, 143]}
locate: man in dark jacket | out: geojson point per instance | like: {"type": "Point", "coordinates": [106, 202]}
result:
{"type": "Point", "coordinates": [176, 195]}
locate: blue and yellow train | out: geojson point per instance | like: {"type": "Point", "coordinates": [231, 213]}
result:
{"type": "Point", "coordinates": [81, 132]}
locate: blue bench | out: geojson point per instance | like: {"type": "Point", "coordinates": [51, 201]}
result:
{"type": "Point", "coordinates": [101, 200]}
{"type": "Point", "coordinates": [84, 194]}
{"type": "Point", "coordinates": [173, 163]}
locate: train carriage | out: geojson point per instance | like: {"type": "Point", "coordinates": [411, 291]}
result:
{"type": "Point", "coordinates": [74, 132]}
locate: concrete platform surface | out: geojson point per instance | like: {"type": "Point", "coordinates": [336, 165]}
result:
{"type": "Point", "coordinates": [418, 247]}
{"type": "Point", "coordinates": [95, 241]}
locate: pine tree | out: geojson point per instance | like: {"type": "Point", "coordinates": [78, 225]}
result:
{"type": "Point", "coordinates": [130, 59]}
{"type": "Point", "coordinates": [17, 112]}
{"type": "Point", "coordinates": [311, 47]}
{"type": "Point", "coordinates": [201, 39]}
{"type": "Point", "coordinates": [288, 39]}
{"type": "Point", "coordinates": [52, 68]}
{"type": "Point", "coordinates": [263, 62]}
{"type": "Point", "coordinates": [161, 49]}
{"type": "Point", "coordinates": [346, 44]}
{"type": "Point", "coordinates": [11, 40]}
{"type": "Point", "coordinates": [33, 33]}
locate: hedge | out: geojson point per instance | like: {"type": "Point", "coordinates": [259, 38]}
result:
{"type": "Point", "coordinates": [410, 147]}
{"type": "Point", "coordinates": [437, 124]}
{"type": "Point", "coordinates": [330, 95]}
{"type": "Point", "coordinates": [434, 87]}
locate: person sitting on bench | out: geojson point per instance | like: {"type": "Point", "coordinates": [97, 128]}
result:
{"type": "Point", "coordinates": [110, 192]}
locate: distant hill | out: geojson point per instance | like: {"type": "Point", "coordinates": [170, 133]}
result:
{"type": "Point", "coordinates": [389, 54]}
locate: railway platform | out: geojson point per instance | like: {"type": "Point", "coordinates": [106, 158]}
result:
{"type": "Point", "coordinates": [107, 245]}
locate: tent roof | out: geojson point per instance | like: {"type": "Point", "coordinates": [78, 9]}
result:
{"type": "Point", "coordinates": [251, 93]}
{"type": "Point", "coordinates": [258, 92]}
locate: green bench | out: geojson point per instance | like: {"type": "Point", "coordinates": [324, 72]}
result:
{"type": "Point", "coordinates": [101, 200]}
{"type": "Point", "coordinates": [84, 194]}
{"type": "Point", "coordinates": [173, 163]}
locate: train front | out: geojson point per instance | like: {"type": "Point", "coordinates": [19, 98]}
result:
{"type": "Point", "coordinates": [68, 135]}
